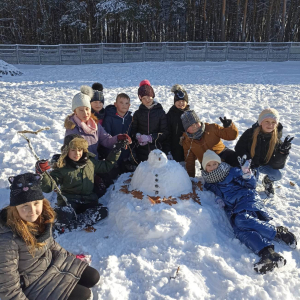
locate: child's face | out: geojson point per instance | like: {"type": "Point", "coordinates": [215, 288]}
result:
{"type": "Point", "coordinates": [146, 100]}
{"type": "Point", "coordinates": [268, 125]}
{"type": "Point", "coordinates": [30, 211]}
{"type": "Point", "coordinates": [83, 113]}
{"type": "Point", "coordinates": [97, 105]}
{"type": "Point", "coordinates": [75, 154]}
{"type": "Point", "coordinates": [193, 128]}
{"type": "Point", "coordinates": [181, 104]}
{"type": "Point", "coordinates": [211, 165]}
{"type": "Point", "coordinates": [122, 105]}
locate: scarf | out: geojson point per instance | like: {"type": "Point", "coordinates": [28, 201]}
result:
{"type": "Point", "coordinates": [81, 163]}
{"type": "Point", "coordinates": [90, 127]}
{"type": "Point", "coordinates": [197, 135]}
{"type": "Point", "coordinates": [150, 106]}
{"type": "Point", "coordinates": [100, 115]}
{"type": "Point", "coordinates": [218, 174]}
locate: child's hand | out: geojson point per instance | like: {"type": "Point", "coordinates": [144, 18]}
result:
{"type": "Point", "coordinates": [143, 139]}
{"type": "Point", "coordinates": [42, 166]}
{"type": "Point", "coordinates": [124, 137]}
{"type": "Point", "coordinates": [226, 122]}
{"type": "Point", "coordinates": [247, 173]}
{"type": "Point", "coordinates": [170, 156]}
{"type": "Point", "coordinates": [220, 202]}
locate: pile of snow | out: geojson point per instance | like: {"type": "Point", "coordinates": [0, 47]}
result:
{"type": "Point", "coordinates": [8, 69]}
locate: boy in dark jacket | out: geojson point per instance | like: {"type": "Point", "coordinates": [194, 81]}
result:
{"type": "Point", "coordinates": [118, 120]}
{"type": "Point", "coordinates": [235, 192]}
{"type": "Point", "coordinates": [175, 127]}
{"type": "Point", "coordinates": [149, 126]}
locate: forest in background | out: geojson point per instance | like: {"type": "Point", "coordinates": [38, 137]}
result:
{"type": "Point", "coordinates": [51, 22]}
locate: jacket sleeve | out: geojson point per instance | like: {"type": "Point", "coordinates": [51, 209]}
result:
{"type": "Point", "coordinates": [104, 166]}
{"type": "Point", "coordinates": [213, 188]}
{"type": "Point", "coordinates": [105, 139]}
{"type": "Point", "coordinates": [278, 160]}
{"type": "Point", "coordinates": [190, 159]}
{"type": "Point", "coordinates": [247, 183]}
{"type": "Point", "coordinates": [47, 184]}
{"type": "Point", "coordinates": [107, 124]}
{"type": "Point", "coordinates": [10, 287]}
{"type": "Point", "coordinates": [162, 135]}
{"type": "Point", "coordinates": [241, 147]}
{"type": "Point", "coordinates": [229, 134]}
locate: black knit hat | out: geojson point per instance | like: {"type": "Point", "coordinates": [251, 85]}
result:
{"type": "Point", "coordinates": [189, 118]}
{"type": "Point", "coordinates": [98, 96]}
{"type": "Point", "coordinates": [25, 188]}
{"type": "Point", "coordinates": [146, 89]}
{"type": "Point", "coordinates": [179, 93]}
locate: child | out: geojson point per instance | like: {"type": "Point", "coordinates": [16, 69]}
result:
{"type": "Point", "coordinates": [74, 172]}
{"type": "Point", "coordinates": [235, 191]}
{"type": "Point", "coordinates": [97, 102]}
{"type": "Point", "coordinates": [200, 136]}
{"type": "Point", "coordinates": [262, 144]}
{"type": "Point", "coordinates": [175, 127]}
{"type": "Point", "coordinates": [82, 123]}
{"type": "Point", "coordinates": [33, 265]}
{"type": "Point", "coordinates": [149, 126]}
{"type": "Point", "coordinates": [118, 121]}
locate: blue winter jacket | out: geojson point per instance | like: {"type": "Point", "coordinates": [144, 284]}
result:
{"type": "Point", "coordinates": [237, 193]}
{"type": "Point", "coordinates": [114, 125]}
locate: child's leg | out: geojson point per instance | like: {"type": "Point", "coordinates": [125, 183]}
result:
{"type": "Point", "coordinates": [89, 277]}
{"type": "Point", "coordinates": [252, 232]}
{"type": "Point", "coordinates": [273, 174]}
{"type": "Point", "coordinates": [230, 157]}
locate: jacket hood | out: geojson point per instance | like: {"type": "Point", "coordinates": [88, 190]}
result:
{"type": "Point", "coordinates": [111, 110]}
{"type": "Point", "coordinates": [69, 122]}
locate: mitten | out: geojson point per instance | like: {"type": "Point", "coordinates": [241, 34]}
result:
{"type": "Point", "coordinates": [143, 139]}
{"type": "Point", "coordinates": [220, 202]}
{"type": "Point", "coordinates": [124, 137]}
{"type": "Point", "coordinates": [285, 147]}
{"type": "Point", "coordinates": [169, 156]}
{"type": "Point", "coordinates": [226, 122]}
{"type": "Point", "coordinates": [42, 166]}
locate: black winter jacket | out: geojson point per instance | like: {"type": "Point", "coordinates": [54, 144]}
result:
{"type": "Point", "coordinates": [150, 122]}
{"type": "Point", "coordinates": [243, 146]}
{"type": "Point", "coordinates": [176, 130]}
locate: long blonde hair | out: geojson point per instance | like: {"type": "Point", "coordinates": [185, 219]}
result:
{"type": "Point", "coordinates": [27, 230]}
{"type": "Point", "coordinates": [272, 144]}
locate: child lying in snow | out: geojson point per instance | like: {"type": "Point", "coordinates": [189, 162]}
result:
{"type": "Point", "coordinates": [235, 192]}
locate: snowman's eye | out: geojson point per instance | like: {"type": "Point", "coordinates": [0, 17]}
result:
{"type": "Point", "coordinates": [19, 184]}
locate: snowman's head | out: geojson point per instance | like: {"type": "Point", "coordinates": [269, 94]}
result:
{"type": "Point", "coordinates": [157, 159]}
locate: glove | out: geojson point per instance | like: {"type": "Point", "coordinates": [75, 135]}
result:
{"type": "Point", "coordinates": [285, 147]}
{"type": "Point", "coordinates": [119, 145]}
{"type": "Point", "coordinates": [226, 122]}
{"type": "Point", "coordinates": [124, 137]}
{"type": "Point", "coordinates": [220, 202]}
{"type": "Point", "coordinates": [169, 156]}
{"type": "Point", "coordinates": [247, 173]}
{"type": "Point", "coordinates": [143, 139]}
{"type": "Point", "coordinates": [42, 166]}
{"type": "Point", "coordinates": [85, 258]}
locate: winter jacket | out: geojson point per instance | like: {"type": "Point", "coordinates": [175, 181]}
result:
{"type": "Point", "coordinates": [114, 125]}
{"type": "Point", "coordinates": [77, 184]}
{"type": "Point", "coordinates": [150, 122]}
{"type": "Point", "coordinates": [99, 115]}
{"type": "Point", "coordinates": [176, 130]}
{"type": "Point", "coordinates": [100, 136]}
{"type": "Point", "coordinates": [51, 274]}
{"type": "Point", "coordinates": [243, 146]}
{"type": "Point", "coordinates": [211, 139]}
{"type": "Point", "coordinates": [237, 193]}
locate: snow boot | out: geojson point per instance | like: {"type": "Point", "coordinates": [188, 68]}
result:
{"type": "Point", "coordinates": [284, 235]}
{"type": "Point", "coordinates": [269, 260]}
{"type": "Point", "coordinates": [269, 188]}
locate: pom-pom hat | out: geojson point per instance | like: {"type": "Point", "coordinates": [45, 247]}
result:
{"type": "Point", "coordinates": [83, 98]}
{"type": "Point", "coordinates": [268, 113]}
{"type": "Point", "coordinates": [179, 93]}
{"type": "Point", "coordinates": [208, 156]}
{"type": "Point", "coordinates": [189, 118]}
{"type": "Point", "coordinates": [146, 89]}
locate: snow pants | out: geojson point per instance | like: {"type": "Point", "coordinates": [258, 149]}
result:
{"type": "Point", "coordinates": [255, 233]}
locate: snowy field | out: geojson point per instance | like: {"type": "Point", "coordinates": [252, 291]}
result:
{"type": "Point", "coordinates": [140, 245]}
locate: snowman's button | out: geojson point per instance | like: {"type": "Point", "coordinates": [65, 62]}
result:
{"type": "Point", "coordinates": [156, 175]}
{"type": "Point", "coordinates": [156, 192]}
{"type": "Point", "coordinates": [156, 185]}
{"type": "Point", "coordinates": [156, 180]}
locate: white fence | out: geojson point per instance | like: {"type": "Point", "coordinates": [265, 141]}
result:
{"type": "Point", "coordinates": [138, 52]}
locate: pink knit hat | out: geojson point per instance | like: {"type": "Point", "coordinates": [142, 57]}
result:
{"type": "Point", "coordinates": [269, 113]}
{"type": "Point", "coordinates": [146, 89]}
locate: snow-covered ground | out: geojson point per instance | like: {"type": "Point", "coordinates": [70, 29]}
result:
{"type": "Point", "coordinates": [140, 246]}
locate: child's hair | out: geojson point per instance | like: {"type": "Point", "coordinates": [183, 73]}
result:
{"type": "Point", "coordinates": [272, 144]}
{"type": "Point", "coordinates": [122, 95]}
{"type": "Point", "coordinates": [27, 230]}
{"type": "Point", "coordinates": [94, 117]}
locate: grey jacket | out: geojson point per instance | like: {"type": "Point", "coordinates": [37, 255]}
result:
{"type": "Point", "coordinates": [50, 275]}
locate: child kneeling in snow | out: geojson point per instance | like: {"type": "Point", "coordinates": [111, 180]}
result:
{"type": "Point", "coordinates": [74, 172]}
{"type": "Point", "coordinates": [235, 192]}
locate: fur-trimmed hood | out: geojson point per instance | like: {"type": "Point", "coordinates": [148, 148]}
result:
{"type": "Point", "coordinates": [69, 122]}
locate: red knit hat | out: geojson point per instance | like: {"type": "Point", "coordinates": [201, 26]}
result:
{"type": "Point", "coordinates": [146, 89]}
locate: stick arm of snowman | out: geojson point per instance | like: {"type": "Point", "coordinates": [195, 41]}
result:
{"type": "Point", "coordinates": [22, 133]}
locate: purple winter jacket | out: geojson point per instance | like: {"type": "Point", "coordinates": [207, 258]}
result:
{"type": "Point", "coordinates": [100, 136]}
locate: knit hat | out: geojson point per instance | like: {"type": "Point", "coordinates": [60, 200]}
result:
{"type": "Point", "coordinates": [146, 89]}
{"type": "Point", "coordinates": [268, 113]}
{"type": "Point", "coordinates": [188, 118]}
{"type": "Point", "coordinates": [208, 156]}
{"type": "Point", "coordinates": [98, 96]}
{"type": "Point", "coordinates": [25, 188]}
{"type": "Point", "coordinates": [72, 141]}
{"type": "Point", "coordinates": [83, 98]}
{"type": "Point", "coordinates": [179, 93]}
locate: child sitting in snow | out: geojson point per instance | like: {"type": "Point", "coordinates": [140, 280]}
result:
{"type": "Point", "coordinates": [74, 172]}
{"type": "Point", "coordinates": [118, 121]}
{"type": "Point", "coordinates": [81, 122]}
{"type": "Point", "coordinates": [175, 127]}
{"type": "Point", "coordinates": [235, 192]}
{"type": "Point", "coordinates": [149, 126]}
{"type": "Point", "coordinates": [97, 102]}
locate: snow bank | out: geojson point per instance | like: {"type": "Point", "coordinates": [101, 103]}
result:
{"type": "Point", "coordinates": [8, 70]}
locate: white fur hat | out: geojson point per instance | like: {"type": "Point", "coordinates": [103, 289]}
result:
{"type": "Point", "coordinates": [83, 98]}
{"type": "Point", "coordinates": [208, 156]}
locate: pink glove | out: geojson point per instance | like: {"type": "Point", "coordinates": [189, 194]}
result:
{"type": "Point", "coordinates": [143, 139]}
